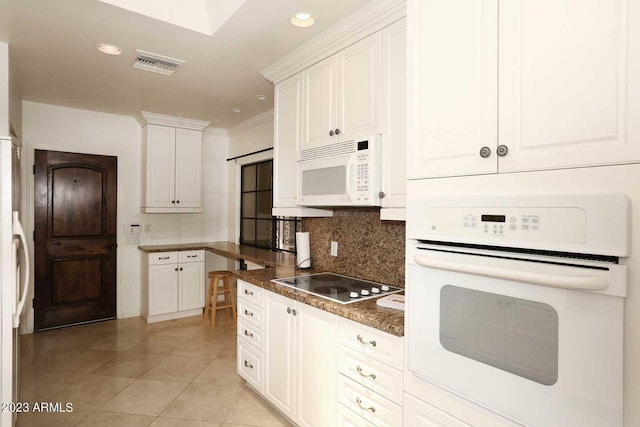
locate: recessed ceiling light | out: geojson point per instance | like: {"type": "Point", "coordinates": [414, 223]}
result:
{"type": "Point", "coordinates": [261, 97]}
{"type": "Point", "coordinates": [302, 19]}
{"type": "Point", "coordinates": [236, 110]}
{"type": "Point", "coordinates": [109, 49]}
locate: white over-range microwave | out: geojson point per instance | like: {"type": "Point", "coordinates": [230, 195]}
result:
{"type": "Point", "coordinates": [343, 174]}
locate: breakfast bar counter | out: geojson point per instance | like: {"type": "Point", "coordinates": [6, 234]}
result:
{"type": "Point", "coordinates": [280, 265]}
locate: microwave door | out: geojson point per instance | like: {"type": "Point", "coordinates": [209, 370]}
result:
{"type": "Point", "coordinates": [324, 182]}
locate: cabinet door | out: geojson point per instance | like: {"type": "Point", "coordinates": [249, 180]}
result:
{"type": "Point", "coordinates": [451, 87]}
{"type": "Point", "coordinates": [279, 352]}
{"type": "Point", "coordinates": [161, 166]}
{"type": "Point", "coordinates": [566, 69]}
{"type": "Point", "coordinates": [188, 168]}
{"type": "Point", "coordinates": [420, 414]}
{"type": "Point", "coordinates": [287, 122]}
{"type": "Point", "coordinates": [316, 366]}
{"type": "Point", "coordinates": [360, 88]}
{"type": "Point", "coordinates": [394, 125]}
{"type": "Point", "coordinates": [163, 289]}
{"type": "Point", "coordinates": [319, 110]}
{"type": "Point", "coordinates": [191, 280]}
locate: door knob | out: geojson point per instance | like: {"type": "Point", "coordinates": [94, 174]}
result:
{"type": "Point", "coordinates": [331, 132]}
{"type": "Point", "coordinates": [485, 152]}
{"type": "Point", "coordinates": [337, 131]}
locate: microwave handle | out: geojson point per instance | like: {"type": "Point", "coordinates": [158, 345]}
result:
{"type": "Point", "coordinates": [585, 283]}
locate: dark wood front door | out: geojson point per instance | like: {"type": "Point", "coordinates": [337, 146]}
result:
{"type": "Point", "coordinates": [75, 238]}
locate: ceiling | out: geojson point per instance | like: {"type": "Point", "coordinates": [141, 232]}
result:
{"type": "Point", "coordinates": [53, 56]}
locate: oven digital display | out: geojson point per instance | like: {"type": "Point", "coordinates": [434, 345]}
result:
{"type": "Point", "coordinates": [494, 218]}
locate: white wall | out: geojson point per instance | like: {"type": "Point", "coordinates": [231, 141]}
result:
{"type": "Point", "coordinates": [248, 137]}
{"type": "Point", "coordinates": [65, 129]}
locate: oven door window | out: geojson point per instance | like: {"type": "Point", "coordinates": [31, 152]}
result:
{"type": "Point", "coordinates": [516, 335]}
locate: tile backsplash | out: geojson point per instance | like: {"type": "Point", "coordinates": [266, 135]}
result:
{"type": "Point", "coordinates": [368, 248]}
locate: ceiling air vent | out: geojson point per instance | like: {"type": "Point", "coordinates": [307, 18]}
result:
{"type": "Point", "coordinates": [156, 63]}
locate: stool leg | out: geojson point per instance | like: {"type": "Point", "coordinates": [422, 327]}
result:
{"type": "Point", "coordinates": [207, 302]}
{"type": "Point", "coordinates": [215, 301]}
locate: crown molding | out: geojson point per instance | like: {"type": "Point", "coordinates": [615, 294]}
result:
{"type": "Point", "coordinates": [216, 131]}
{"type": "Point", "coordinates": [360, 24]}
{"type": "Point", "coordinates": [178, 122]}
{"type": "Point", "coordinates": [254, 121]}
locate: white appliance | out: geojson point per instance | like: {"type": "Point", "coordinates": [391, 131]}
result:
{"type": "Point", "coordinates": [343, 174]}
{"type": "Point", "coordinates": [515, 303]}
{"type": "Point", "coordinates": [14, 263]}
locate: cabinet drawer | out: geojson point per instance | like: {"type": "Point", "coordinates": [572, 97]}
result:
{"type": "Point", "coordinates": [374, 375]}
{"type": "Point", "coordinates": [250, 333]}
{"type": "Point", "coordinates": [250, 313]}
{"type": "Point", "coordinates": [159, 258]}
{"type": "Point", "coordinates": [383, 347]}
{"type": "Point", "coordinates": [374, 408]}
{"type": "Point", "coordinates": [250, 293]}
{"type": "Point", "coordinates": [250, 365]}
{"type": "Point", "coordinates": [191, 256]}
{"type": "Point", "coordinates": [347, 418]}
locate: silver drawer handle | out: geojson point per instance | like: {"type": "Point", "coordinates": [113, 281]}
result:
{"type": "Point", "coordinates": [366, 408]}
{"type": "Point", "coordinates": [248, 313]}
{"type": "Point", "coordinates": [192, 256]}
{"type": "Point", "coordinates": [246, 292]}
{"type": "Point", "coordinates": [373, 343]}
{"type": "Point", "coordinates": [248, 365]}
{"type": "Point", "coordinates": [372, 375]}
{"type": "Point", "coordinates": [247, 333]}
{"type": "Point", "coordinates": [164, 257]}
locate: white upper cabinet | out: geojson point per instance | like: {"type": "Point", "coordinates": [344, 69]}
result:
{"type": "Point", "coordinates": [394, 120]}
{"type": "Point", "coordinates": [564, 80]}
{"type": "Point", "coordinates": [172, 177]}
{"type": "Point", "coordinates": [320, 105]}
{"type": "Point", "coordinates": [452, 87]}
{"type": "Point", "coordinates": [342, 95]}
{"type": "Point", "coordinates": [188, 185]}
{"type": "Point", "coordinates": [160, 166]}
{"type": "Point", "coordinates": [287, 138]}
{"type": "Point", "coordinates": [529, 85]}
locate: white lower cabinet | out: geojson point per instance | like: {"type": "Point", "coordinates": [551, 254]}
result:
{"type": "Point", "coordinates": [370, 379]}
{"type": "Point", "coordinates": [300, 361]}
{"type": "Point", "coordinates": [250, 354]}
{"type": "Point", "coordinates": [420, 414]}
{"type": "Point", "coordinates": [175, 285]}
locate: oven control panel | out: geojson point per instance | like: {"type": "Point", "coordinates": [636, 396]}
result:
{"type": "Point", "coordinates": [561, 225]}
{"type": "Point", "coordinates": [498, 225]}
{"type": "Point", "coordinates": [589, 223]}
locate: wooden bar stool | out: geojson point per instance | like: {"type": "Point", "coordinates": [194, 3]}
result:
{"type": "Point", "coordinates": [212, 304]}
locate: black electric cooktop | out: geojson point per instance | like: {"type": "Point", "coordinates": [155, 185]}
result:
{"type": "Point", "coordinates": [338, 288]}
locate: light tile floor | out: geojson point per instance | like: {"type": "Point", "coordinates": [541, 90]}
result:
{"type": "Point", "coordinates": [121, 373]}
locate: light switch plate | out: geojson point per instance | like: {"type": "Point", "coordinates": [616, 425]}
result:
{"type": "Point", "coordinates": [334, 248]}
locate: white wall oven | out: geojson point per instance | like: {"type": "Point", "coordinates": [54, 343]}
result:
{"type": "Point", "coordinates": [515, 303]}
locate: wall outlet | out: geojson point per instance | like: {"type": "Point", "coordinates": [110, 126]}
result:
{"type": "Point", "coordinates": [334, 248]}
{"type": "Point", "coordinates": [147, 228]}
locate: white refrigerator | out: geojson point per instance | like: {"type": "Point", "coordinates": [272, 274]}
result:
{"type": "Point", "coordinates": [14, 270]}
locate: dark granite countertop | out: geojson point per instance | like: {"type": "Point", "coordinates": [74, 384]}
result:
{"type": "Point", "coordinates": [366, 312]}
{"type": "Point", "coordinates": [263, 257]}
{"type": "Point", "coordinates": [281, 265]}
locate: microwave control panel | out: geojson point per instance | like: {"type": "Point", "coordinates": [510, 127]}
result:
{"type": "Point", "coordinates": [363, 178]}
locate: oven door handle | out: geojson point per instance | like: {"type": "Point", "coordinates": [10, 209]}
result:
{"type": "Point", "coordinates": [585, 283]}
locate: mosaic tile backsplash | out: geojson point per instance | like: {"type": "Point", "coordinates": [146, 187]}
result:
{"type": "Point", "coordinates": [368, 248]}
